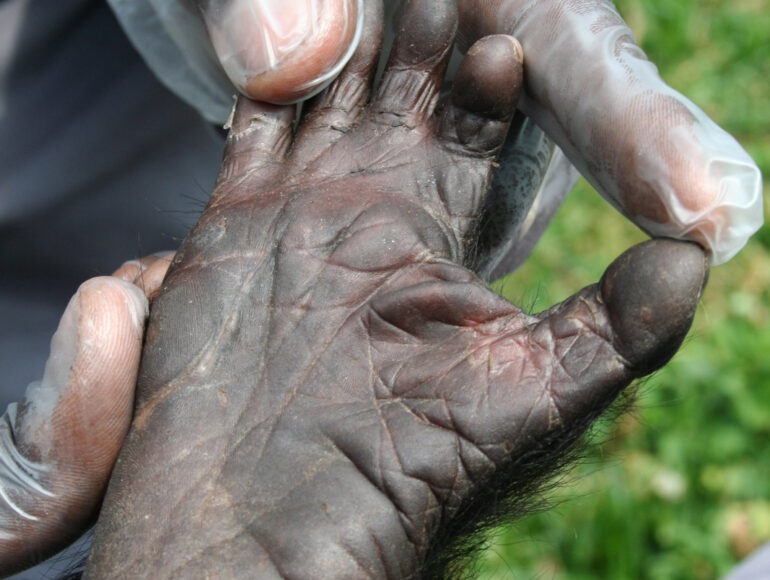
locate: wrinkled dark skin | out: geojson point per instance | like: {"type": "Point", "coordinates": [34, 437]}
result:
{"type": "Point", "coordinates": [324, 384]}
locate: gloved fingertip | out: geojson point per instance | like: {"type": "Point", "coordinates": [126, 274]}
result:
{"type": "Point", "coordinates": [282, 51]}
{"type": "Point", "coordinates": [65, 344]}
{"type": "Point", "coordinates": [97, 343]}
{"type": "Point", "coordinates": [129, 270]}
{"type": "Point", "coordinates": [136, 302]}
{"type": "Point", "coordinates": [43, 396]}
{"type": "Point", "coordinates": [732, 210]}
{"type": "Point", "coordinates": [694, 181]}
{"type": "Point", "coordinates": [92, 298]}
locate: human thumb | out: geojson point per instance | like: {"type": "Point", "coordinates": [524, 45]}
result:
{"type": "Point", "coordinates": [281, 51]}
{"type": "Point", "coordinates": [58, 446]}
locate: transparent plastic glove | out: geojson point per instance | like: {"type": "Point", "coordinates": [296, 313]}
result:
{"type": "Point", "coordinates": [649, 151]}
{"type": "Point", "coordinates": [58, 446]}
{"type": "Point", "coordinates": [530, 184]}
{"type": "Point", "coordinates": [281, 51]}
{"type": "Point", "coordinates": [173, 41]}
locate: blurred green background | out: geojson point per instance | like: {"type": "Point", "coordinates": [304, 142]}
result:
{"type": "Point", "coordinates": [680, 487]}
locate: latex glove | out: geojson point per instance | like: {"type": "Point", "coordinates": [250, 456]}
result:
{"type": "Point", "coordinates": [58, 446]}
{"type": "Point", "coordinates": [650, 151]}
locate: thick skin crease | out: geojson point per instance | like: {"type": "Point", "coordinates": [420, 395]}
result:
{"type": "Point", "coordinates": [324, 383]}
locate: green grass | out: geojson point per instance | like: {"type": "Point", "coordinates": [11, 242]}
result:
{"type": "Point", "coordinates": [680, 488]}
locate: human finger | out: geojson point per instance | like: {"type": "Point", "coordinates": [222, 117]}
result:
{"type": "Point", "coordinates": [147, 273]}
{"type": "Point", "coordinates": [58, 446]}
{"type": "Point", "coordinates": [649, 150]}
{"type": "Point", "coordinates": [281, 51]}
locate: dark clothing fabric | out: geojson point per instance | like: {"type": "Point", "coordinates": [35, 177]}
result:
{"type": "Point", "coordinates": [99, 164]}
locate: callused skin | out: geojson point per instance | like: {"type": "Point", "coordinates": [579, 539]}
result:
{"type": "Point", "coordinates": [324, 384]}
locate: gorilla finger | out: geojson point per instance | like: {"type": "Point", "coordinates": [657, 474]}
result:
{"type": "Point", "coordinates": [259, 138]}
{"type": "Point", "coordinates": [334, 111]}
{"type": "Point", "coordinates": [484, 96]}
{"type": "Point", "coordinates": [412, 81]}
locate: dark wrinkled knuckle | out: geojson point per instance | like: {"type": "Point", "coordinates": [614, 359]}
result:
{"type": "Point", "coordinates": [406, 97]}
{"type": "Point", "coordinates": [473, 134]}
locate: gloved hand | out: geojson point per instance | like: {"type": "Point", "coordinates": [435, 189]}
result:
{"type": "Point", "coordinates": [650, 151]}
{"type": "Point", "coordinates": [58, 446]}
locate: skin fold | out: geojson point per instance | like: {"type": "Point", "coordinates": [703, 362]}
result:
{"type": "Point", "coordinates": [325, 386]}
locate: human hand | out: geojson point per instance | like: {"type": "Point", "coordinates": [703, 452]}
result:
{"type": "Point", "coordinates": [651, 152]}
{"type": "Point", "coordinates": [58, 446]}
{"type": "Point", "coordinates": [326, 390]}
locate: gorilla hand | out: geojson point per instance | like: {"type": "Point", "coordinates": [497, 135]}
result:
{"type": "Point", "coordinates": [325, 387]}
{"type": "Point", "coordinates": [57, 447]}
